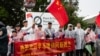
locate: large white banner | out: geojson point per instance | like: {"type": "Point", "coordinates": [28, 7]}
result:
{"type": "Point", "coordinates": [42, 18]}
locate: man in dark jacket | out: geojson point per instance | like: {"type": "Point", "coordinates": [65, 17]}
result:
{"type": "Point", "coordinates": [3, 40]}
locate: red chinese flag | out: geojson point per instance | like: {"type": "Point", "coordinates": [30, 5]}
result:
{"type": "Point", "coordinates": [58, 11]}
{"type": "Point", "coordinates": [97, 21]}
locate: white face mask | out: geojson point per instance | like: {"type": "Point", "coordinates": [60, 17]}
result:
{"type": "Point", "coordinates": [1, 32]}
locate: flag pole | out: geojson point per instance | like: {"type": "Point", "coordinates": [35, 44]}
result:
{"type": "Point", "coordinates": [45, 8]}
{"type": "Point", "coordinates": [41, 14]}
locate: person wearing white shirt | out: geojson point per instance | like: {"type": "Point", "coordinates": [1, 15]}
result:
{"type": "Point", "coordinates": [30, 36]}
{"type": "Point", "coordinates": [25, 27]}
{"type": "Point", "coordinates": [28, 31]}
{"type": "Point", "coordinates": [49, 31]}
{"type": "Point", "coordinates": [79, 36]}
{"type": "Point", "coordinates": [69, 33]}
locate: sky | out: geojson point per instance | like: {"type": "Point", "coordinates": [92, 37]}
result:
{"type": "Point", "coordinates": [88, 7]}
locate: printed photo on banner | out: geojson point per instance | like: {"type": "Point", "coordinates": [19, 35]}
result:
{"type": "Point", "coordinates": [29, 4]}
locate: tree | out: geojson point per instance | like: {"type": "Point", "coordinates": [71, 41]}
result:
{"type": "Point", "coordinates": [11, 12]}
{"type": "Point", "coordinates": [71, 7]}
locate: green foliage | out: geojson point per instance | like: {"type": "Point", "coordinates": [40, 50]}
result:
{"type": "Point", "coordinates": [40, 4]}
{"type": "Point", "coordinates": [3, 12]}
{"type": "Point", "coordinates": [73, 18]}
{"type": "Point", "coordinates": [11, 11]}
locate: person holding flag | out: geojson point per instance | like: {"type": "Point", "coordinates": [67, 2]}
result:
{"type": "Point", "coordinates": [58, 11]}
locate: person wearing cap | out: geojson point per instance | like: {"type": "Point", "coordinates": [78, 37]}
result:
{"type": "Point", "coordinates": [79, 36]}
{"type": "Point", "coordinates": [39, 33]}
{"type": "Point", "coordinates": [26, 30]}
{"type": "Point", "coordinates": [25, 27]}
{"type": "Point", "coordinates": [69, 33]}
{"type": "Point", "coordinates": [3, 40]}
{"type": "Point", "coordinates": [49, 31]}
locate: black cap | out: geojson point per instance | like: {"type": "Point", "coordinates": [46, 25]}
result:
{"type": "Point", "coordinates": [49, 23]}
{"type": "Point", "coordinates": [39, 25]}
{"type": "Point", "coordinates": [17, 25]}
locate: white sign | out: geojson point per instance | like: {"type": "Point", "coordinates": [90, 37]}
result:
{"type": "Point", "coordinates": [42, 18]}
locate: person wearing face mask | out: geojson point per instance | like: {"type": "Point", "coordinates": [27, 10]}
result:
{"type": "Point", "coordinates": [69, 33]}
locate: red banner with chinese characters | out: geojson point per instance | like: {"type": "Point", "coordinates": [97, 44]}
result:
{"type": "Point", "coordinates": [43, 47]}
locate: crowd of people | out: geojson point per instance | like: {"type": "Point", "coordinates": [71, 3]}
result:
{"type": "Point", "coordinates": [82, 37]}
